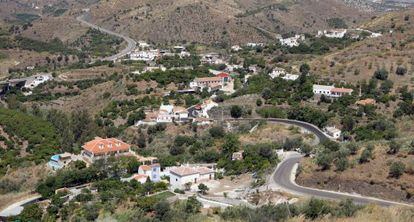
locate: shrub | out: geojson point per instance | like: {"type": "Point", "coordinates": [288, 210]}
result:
{"type": "Point", "coordinates": [236, 111]}
{"type": "Point", "coordinates": [316, 208]}
{"type": "Point", "coordinates": [216, 131]}
{"type": "Point", "coordinates": [397, 169]}
{"type": "Point", "coordinates": [381, 74]}
{"type": "Point", "coordinates": [394, 147]}
{"type": "Point", "coordinates": [401, 71]}
{"type": "Point", "coordinates": [176, 190]}
{"type": "Point", "coordinates": [324, 160]}
{"type": "Point", "coordinates": [341, 164]}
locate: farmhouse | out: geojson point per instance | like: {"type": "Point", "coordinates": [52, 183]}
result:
{"type": "Point", "coordinates": [331, 91]}
{"type": "Point", "coordinates": [147, 55]}
{"type": "Point", "coordinates": [217, 82]}
{"type": "Point", "coordinates": [170, 113]}
{"type": "Point", "coordinates": [179, 176]}
{"type": "Point", "coordinates": [333, 33]}
{"type": "Point", "coordinates": [100, 148]}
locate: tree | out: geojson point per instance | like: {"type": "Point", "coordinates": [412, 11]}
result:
{"type": "Point", "coordinates": [304, 69]}
{"type": "Point", "coordinates": [259, 102]}
{"type": "Point", "coordinates": [216, 131]}
{"type": "Point", "coordinates": [353, 148]}
{"type": "Point", "coordinates": [306, 149]}
{"type": "Point", "coordinates": [203, 188]}
{"type": "Point", "coordinates": [316, 208]}
{"type": "Point", "coordinates": [192, 205]}
{"type": "Point", "coordinates": [141, 142]}
{"type": "Point", "coordinates": [381, 74]}
{"type": "Point", "coordinates": [161, 208]}
{"type": "Point", "coordinates": [266, 93]}
{"type": "Point", "coordinates": [341, 164]}
{"type": "Point", "coordinates": [236, 111]}
{"type": "Point", "coordinates": [324, 159]}
{"type": "Point", "coordinates": [177, 150]}
{"type": "Point", "coordinates": [348, 123]}
{"type": "Point", "coordinates": [32, 213]}
{"type": "Point", "coordinates": [365, 155]}
{"type": "Point", "coordinates": [397, 169]}
{"type": "Point", "coordinates": [230, 145]}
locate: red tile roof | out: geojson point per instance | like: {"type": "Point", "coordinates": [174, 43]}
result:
{"type": "Point", "coordinates": [105, 146]}
{"type": "Point", "coordinates": [144, 167]}
{"type": "Point", "coordinates": [342, 90]}
{"type": "Point", "coordinates": [223, 75]}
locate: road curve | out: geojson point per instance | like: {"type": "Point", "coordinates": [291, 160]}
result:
{"type": "Point", "coordinates": [284, 175]}
{"type": "Point", "coordinates": [284, 178]}
{"type": "Point", "coordinates": [17, 207]}
{"type": "Point", "coordinates": [131, 43]}
{"type": "Point", "coordinates": [307, 126]}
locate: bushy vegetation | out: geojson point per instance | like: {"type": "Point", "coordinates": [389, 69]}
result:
{"type": "Point", "coordinates": [97, 43]}
{"type": "Point", "coordinates": [180, 77]}
{"type": "Point", "coordinates": [312, 210]}
{"type": "Point", "coordinates": [41, 136]}
{"type": "Point", "coordinates": [177, 61]}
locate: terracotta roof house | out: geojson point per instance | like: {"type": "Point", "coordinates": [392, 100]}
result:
{"type": "Point", "coordinates": [99, 148]}
{"type": "Point", "coordinates": [365, 102]}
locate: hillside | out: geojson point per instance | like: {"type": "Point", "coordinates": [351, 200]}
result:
{"type": "Point", "coordinates": [225, 21]}
{"type": "Point", "coordinates": [360, 60]}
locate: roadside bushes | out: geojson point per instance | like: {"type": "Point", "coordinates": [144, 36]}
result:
{"type": "Point", "coordinates": [271, 112]}
{"type": "Point", "coordinates": [312, 209]}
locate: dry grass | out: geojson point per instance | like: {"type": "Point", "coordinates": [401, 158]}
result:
{"type": "Point", "coordinates": [371, 179]}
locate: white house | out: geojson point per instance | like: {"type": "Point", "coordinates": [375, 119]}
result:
{"type": "Point", "coordinates": [292, 41]}
{"type": "Point", "coordinates": [333, 132]}
{"type": "Point", "coordinates": [147, 55]}
{"type": "Point", "coordinates": [152, 171]}
{"type": "Point", "coordinates": [179, 176]}
{"type": "Point", "coordinates": [211, 58]}
{"type": "Point", "coordinates": [276, 72]}
{"type": "Point", "coordinates": [279, 72]}
{"type": "Point", "coordinates": [170, 113]}
{"type": "Point", "coordinates": [254, 44]}
{"type": "Point", "coordinates": [217, 82]}
{"type": "Point", "coordinates": [34, 81]}
{"type": "Point", "coordinates": [331, 91]}
{"type": "Point", "coordinates": [333, 33]}
{"type": "Point", "coordinates": [236, 48]}
{"type": "Point", "coordinates": [291, 77]}
{"type": "Point", "coordinates": [322, 90]}
{"type": "Point", "coordinates": [143, 45]}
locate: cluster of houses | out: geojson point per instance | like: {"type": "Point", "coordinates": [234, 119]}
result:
{"type": "Point", "coordinates": [149, 170]}
{"type": "Point", "coordinates": [292, 41]}
{"type": "Point", "coordinates": [145, 53]}
{"type": "Point", "coordinates": [197, 114]}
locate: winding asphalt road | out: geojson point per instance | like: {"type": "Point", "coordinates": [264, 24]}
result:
{"type": "Point", "coordinates": [131, 43]}
{"type": "Point", "coordinates": [284, 178]}
{"type": "Point", "coordinates": [284, 175]}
